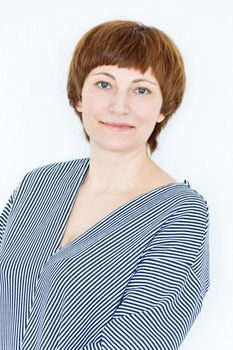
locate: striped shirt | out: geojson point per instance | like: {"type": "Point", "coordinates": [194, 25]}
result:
{"type": "Point", "coordinates": [135, 280]}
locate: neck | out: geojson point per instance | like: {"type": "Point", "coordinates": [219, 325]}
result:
{"type": "Point", "coordinates": [117, 172]}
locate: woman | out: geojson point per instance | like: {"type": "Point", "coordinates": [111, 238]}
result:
{"type": "Point", "coordinates": [108, 252]}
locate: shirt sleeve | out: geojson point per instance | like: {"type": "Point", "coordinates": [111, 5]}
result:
{"type": "Point", "coordinates": [5, 214]}
{"type": "Point", "coordinates": [165, 293]}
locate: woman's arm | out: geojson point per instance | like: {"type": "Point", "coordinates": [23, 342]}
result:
{"type": "Point", "coordinates": [164, 296]}
{"type": "Point", "coordinates": [5, 214]}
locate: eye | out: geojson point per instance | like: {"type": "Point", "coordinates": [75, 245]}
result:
{"type": "Point", "coordinates": [102, 84]}
{"type": "Point", "coordinates": [143, 91]}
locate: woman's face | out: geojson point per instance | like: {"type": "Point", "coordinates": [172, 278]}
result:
{"type": "Point", "coordinates": [120, 107]}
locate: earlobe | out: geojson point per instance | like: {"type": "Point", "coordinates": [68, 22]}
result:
{"type": "Point", "coordinates": [79, 106]}
{"type": "Point", "coordinates": [161, 118]}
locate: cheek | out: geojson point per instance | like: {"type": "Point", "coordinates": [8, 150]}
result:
{"type": "Point", "coordinates": [93, 105]}
{"type": "Point", "coordinates": [148, 112]}
{"type": "Point", "coordinates": [92, 110]}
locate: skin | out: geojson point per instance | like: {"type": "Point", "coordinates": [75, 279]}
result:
{"type": "Point", "coordinates": [119, 161]}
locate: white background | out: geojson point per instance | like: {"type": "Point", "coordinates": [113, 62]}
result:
{"type": "Point", "coordinates": [38, 126]}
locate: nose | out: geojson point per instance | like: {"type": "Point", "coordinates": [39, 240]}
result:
{"type": "Point", "coordinates": [119, 104]}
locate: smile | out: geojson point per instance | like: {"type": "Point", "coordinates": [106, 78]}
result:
{"type": "Point", "coordinates": [117, 126]}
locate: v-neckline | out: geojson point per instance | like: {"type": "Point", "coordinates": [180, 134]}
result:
{"type": "Point", "coordinates": [139, 197]}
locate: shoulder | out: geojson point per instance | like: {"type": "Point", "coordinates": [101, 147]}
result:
{"type": "Point", "coordinates": [51, 173]}
{"type": "Point", "coordinates": [183, 230]}
{"type": "Point", "coordinates": [177, 197]}
{"type": "Point", "coordinates": [58, 168]}
{"type": "Point", "coordinates": [183, 206]}
{"type": "Point", "coordinates": [183, 196]}
{"type": "Point", "coordinates": [193, 201]}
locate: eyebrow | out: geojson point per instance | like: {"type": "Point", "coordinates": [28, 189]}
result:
{"type": "Point", "coordinates": [133, 81]}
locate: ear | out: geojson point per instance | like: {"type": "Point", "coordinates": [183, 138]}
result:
{"type": "Point", "coordinates": [161, 118]}
{"type": "Point", "coordinates": [79, 106]}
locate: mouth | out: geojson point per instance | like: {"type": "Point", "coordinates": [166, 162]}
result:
{"type": "Point", "coordinates": [117, 126]}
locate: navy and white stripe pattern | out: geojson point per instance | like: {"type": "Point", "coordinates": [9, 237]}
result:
{"type": "Point", "coordinates": [133, 281]}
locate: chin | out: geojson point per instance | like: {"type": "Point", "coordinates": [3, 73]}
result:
{"type": "Point", "coordinates": [112, 145]}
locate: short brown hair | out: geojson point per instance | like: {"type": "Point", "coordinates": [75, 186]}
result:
{"type": "Point", "coordinates": [129, 44]}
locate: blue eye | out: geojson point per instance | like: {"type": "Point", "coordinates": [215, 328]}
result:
{"type": "Point", "coordinates": [103, 84]}
{"type": "Point", "coordinates": [143, 91]}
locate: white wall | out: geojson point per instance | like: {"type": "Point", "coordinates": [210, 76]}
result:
{"type": "Point", "coordinates": [38, 126]}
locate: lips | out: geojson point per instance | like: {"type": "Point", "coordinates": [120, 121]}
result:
{"type": "Point", "coordinates": [117, 125]}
